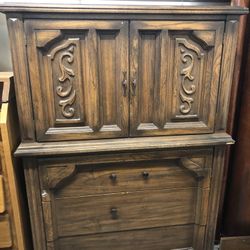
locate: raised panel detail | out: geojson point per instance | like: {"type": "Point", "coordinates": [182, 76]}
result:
{"type": "Point", "coordinates": [189, 60]}
{"type": "Point", "coordinates": [149, 53]}
{"type": "Point", "coordinates": [78, 78]}
{"type": "Point", "coordinates": [171, 62]}
{"type": "Point", "coordinates": [63, 57]}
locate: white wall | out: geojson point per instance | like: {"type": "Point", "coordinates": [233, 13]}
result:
{"type": "Point", "coordinates": [5, 59]}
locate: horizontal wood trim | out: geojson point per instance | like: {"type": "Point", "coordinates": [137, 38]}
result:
{"type": "Point", "coordinates": [154, 238]}
{"type": "Point", "coordinates": [123, 144]}
{"type": "Point", "coordinates": [166, 8]}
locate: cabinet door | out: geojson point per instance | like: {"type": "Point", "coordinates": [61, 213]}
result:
{"type": "Point", "coordinates": [175, 69]}
{"type": "Point", "coordinates": [78, 73]}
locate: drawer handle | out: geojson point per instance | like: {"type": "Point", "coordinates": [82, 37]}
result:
{"type": "Point", "coordinates": [114, 213]}
{"type": "Point", "coordinates": [124, 83]}
{"type": "Point", "coordinates": [113, 177]}
{"type": "Point", "coordinates": [145, 175]}
{"type": "Point", "coordinates": [134, 87]}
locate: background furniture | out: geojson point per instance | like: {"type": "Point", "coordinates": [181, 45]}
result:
{"type": "Point", "coordinates": [232, 243]}
{"type": "Point", "coordinates": [236, 212]}
{"type": "Point", "coordinates": [14, 221]}
{"type": "Point", "coordinates": [123, 118]}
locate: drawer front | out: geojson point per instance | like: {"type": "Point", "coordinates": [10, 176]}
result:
{"type": "Point", "coordinates": [79, 196]}
{"type": "Point", "coordinates": [78, 73]}
{"type": "Point", "coordinates": [157, 238]}
{"type": "Point", "coordinates": [119, 212]}
{"type": "Point", "coordinates": [119, 177]}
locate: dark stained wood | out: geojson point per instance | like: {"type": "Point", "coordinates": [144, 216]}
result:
{"type": "Point", "coordinates": [230, 44]}
{"type": "Point", "coordinates": [82, 90]}
{"type": "Point", "coordinates": [126, 157]}
{"type": "Point", "coordinates": [164, 53]}
{"type": "Point", "coordinates": [21, 77]}
{"type": "Point", "coordinates": [112, 178]}
{"type": "Point", "coordinates": [134, 211]}
{"type": "Point", "coordinates": [163, 8]}
{"type": "Point", "coordinates": [125, 144]}
{"type": "Point", "coordinates": [236, 208]}
{"type": "Point", "coordinates": [237, 85]}
{"type": "Point", "coordinates": [157, 238]}
{"type": "Point", "coordinates": [66, 188]}
{"type": "Point", "coordinates": [216, 184]}
{"type": "Point", "coordinates": [34, 199]}
{"type": "Point", "coordinates": [103, 72]}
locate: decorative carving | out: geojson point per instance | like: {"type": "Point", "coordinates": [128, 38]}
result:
{"type": "Point", "coordinates": [67, 94]}
{"type": "Point", "coordinates": [198, 171]}
{"type": "Point", "coordinates": [186, 93]}
{"type": "Point", "coordinates": [58, 175]}
{"type": "Point", "coordinates": [46, 38]}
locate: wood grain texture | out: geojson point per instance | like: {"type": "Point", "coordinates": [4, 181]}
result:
{"type": "Point", "coordinates": [113, 178]}
{"type": "Point", "coordinates": [156, 238]}
{"type": "Point", "coordinates": [216, 184]}
{"type": "Point", "coordinates": [134, 211]}
{"type": "Point", "coordinates": [127, 157]}
{"type": "Point", "coordinates": [231, 243]}
{"type": "Point", "coordinates": [6, 235]}
{"type": "Point", "coordinates": [235, 100]}
{"type": "Point", "coordinates": [105, 72]}
{"type": "Point", "coordinates": [237, 218]}
{"type": "Point", "coordinates": [11, 168]}
{"type": "Point", "coordinates": [72, 206]}
{"type": "Point", "coordinates": [166, 9]}
{"type": "Point", "coordinates": [171, 83]}
{"type": "Point", "coordinates": [125, 144]}
{"type": "Point", "coordinates": [22, 87]}
{"type": "Point", "coordinates": [228, 59]}
{"type": "Point", "coordinates": [35, 205]}
{"type": "Point", "coordinates": [84, 66]}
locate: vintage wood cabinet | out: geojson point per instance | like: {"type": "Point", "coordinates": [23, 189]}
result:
{"type": "Point", "coordinates": [123, 112]}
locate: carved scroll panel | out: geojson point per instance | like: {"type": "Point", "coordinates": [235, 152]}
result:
{"type": "Point", "coordinates": [81, 75]}
{"type": "Point", "coordinates": [189, 79]}
{"type": "Point", "coordinates": [66, 77]}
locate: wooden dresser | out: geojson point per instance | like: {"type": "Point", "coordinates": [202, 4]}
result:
{"type": "Point", "coordinates": [123, 111]}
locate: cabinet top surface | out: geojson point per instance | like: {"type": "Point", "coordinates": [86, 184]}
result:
{"type": "Point", "coordinates": [101, 6]}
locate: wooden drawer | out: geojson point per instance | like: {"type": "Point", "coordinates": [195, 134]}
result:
{"type": "Point", "coordinates": [157, 238]}
{"type": "Point", "coordinates": [126, 211]}
{"type": "Point", "coordinates": [120, 177]}
{"type": "Point", "coordinates": [79, 198]}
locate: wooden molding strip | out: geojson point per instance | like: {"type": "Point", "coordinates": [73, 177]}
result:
{"type": "Point", "coordinates": [164, 8]}
{"type": "Point", "coordinates": [122, 144]}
